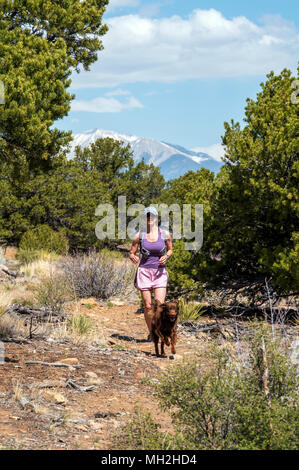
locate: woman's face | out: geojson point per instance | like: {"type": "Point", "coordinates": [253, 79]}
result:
{"type": "Point", "coordinates": [151, 220]}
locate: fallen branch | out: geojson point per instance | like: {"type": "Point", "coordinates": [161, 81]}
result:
{"type": "Point", "coordinates": [7, 271]}
{"type": "Point", "coordinates": [54, 364]}
{"type": "Point", "coordinates": [72, 384]}
{"type": "Point", "coordinates": [36, 313]}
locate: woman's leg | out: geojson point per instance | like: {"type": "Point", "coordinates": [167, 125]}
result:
{"type": "Point", "coordinates": [160, 294]}
{"type": "Point", "coordinates": [148, 311]}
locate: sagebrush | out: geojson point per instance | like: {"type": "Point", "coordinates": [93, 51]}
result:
{"type": "Point", "coordinates": [95, 275]}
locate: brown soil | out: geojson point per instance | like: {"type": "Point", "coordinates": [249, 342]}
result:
{"type": "Point", "coordinates": [10, 252]}
{"type": "Point", "coordinates": [38, 409]}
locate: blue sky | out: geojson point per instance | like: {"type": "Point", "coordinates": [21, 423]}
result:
{"type": "Point", "coordinates": [175, 70]}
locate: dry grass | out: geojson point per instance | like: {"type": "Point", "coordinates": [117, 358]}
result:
{"type": "Point", "coordinates": [16, 293]}
{"type": "Point", "coordinates": [55, 396]}
{"type": "Point", "coordinates": [40, 409]}
{"type": "Point", "coordinates": [63, 333]}
{"type": "Point", "coordinates": [42, 267]}
{"type": "Point", "coordinates": [11, 326]}
{"type": "Point", "coordinates": [94, 381]}
{"type": "Point", "coordinates": [17, 391]}
{"type": "Point", "coordinates": [43, 283]}
{"type": "Point", "coordinates": [5, 301]}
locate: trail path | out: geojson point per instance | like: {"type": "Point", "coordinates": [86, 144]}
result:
{"type": "Point", "coordinates": [39, 409]}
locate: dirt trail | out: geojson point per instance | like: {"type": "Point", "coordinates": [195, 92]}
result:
{"type": "Point", "coordinates": [40, 409]}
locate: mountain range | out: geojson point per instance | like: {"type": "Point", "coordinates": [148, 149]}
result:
{"type": "Point", "coordinates": [173, 160]}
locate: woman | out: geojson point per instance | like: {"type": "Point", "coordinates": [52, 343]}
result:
{"type": "Point", "coordinates": [151, 273]}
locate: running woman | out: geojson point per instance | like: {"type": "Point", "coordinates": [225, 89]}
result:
{"type": "Point", "coordinates": [151, 274]}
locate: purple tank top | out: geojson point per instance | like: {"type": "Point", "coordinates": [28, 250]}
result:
{"type": "Point", "coordinates": [152, 261]}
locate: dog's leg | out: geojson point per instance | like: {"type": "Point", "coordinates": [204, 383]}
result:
{"type": "Point", "coordinates": [155, 339]}
{"type": "Point", "coordinates": [173, 343]}
{"type": "Point", "coordinates": [157, 347]}
{"type": "Point", "coordinates": [162, 348]}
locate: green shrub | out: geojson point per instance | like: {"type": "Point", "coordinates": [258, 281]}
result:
{"type": "Point", "coordinates": [240, 404]}
{"type": "Point", "coordinates": [52, 292]}
{"type": "Point", "coordinates": [142, 433]}
{"type": "Point", "coordinates": [44, 237]}
{"type": "Point", "coordinates": [80, 324]}
{"type": "Point", "coordinates": [89, 306]}
{"type": "Point", "coordinates": [182, 275]}
{"type": "Point", "coordinates": [189, 311]}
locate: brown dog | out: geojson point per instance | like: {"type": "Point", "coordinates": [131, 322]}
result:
{"type": "Point", "coordinates": [164, 326]}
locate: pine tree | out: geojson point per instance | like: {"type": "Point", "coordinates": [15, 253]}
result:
{"type": "Point", "coordinates": [254, 208]}
{"type": "Point", "coordinates": [41, 42]}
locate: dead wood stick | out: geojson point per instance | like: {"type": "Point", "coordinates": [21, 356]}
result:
{"type": "Point", "coordinates": [73, 384]}
{"type": "Point", "coordinates": [22, 309]}
{"type": "Point", "coordinates": [7, 271]}
{"type": "Point", "coordinates": [54, 364]}
{"type": "Point", "coordinates": [203, 327]}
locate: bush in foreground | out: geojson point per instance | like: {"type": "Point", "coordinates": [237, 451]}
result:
{"type": "Point", "coordinates": [235, 404]}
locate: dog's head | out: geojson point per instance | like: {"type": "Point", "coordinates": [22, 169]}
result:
{"type": "Point", "coordinates": [169, 310]}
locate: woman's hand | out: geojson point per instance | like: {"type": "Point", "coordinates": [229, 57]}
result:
{"type": "Point", "coordinates": [134, 258]}
{"type": "Point", "coordinates": [163, 259]}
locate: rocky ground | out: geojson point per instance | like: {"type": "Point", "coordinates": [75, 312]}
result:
{"type": "Point", "coordinates": [41, 406]}
{"type": "Point", "coordinates": [93, 388]}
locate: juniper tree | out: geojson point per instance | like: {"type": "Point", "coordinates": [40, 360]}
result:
{"type": "Point", "coordinates": [41, 42]}
{"type": "Point", "coordinates": [254, 206]}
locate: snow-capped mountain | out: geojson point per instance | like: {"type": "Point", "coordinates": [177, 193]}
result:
{"type": "Point", "coordinates": [173, 160]}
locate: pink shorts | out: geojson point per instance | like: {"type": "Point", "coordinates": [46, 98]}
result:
{"type": "Point", "coordinates": [150, 278]}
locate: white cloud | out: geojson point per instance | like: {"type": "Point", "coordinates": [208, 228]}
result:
{"type": "Point", "coordinates": [118, 92]}
{"type": "Point", "coordinates": [215, 151]}
{"type": "Point", "coordinates": [105, 105]}
{"type": "Point", "coordinates": [204, 44]}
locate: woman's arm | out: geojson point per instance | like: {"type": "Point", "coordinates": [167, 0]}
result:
{"type": "Point", "coordinates": [169, 252]}
{"type": "Point", "coordinates": [134, 248]}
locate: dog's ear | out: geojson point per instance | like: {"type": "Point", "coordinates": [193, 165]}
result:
{"type": "Point", "coordinates": [176, 302]}
{"type": "Point", "coordinates": [158, 303]}
{"type": "Point", "coordinates": [160, 307]}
